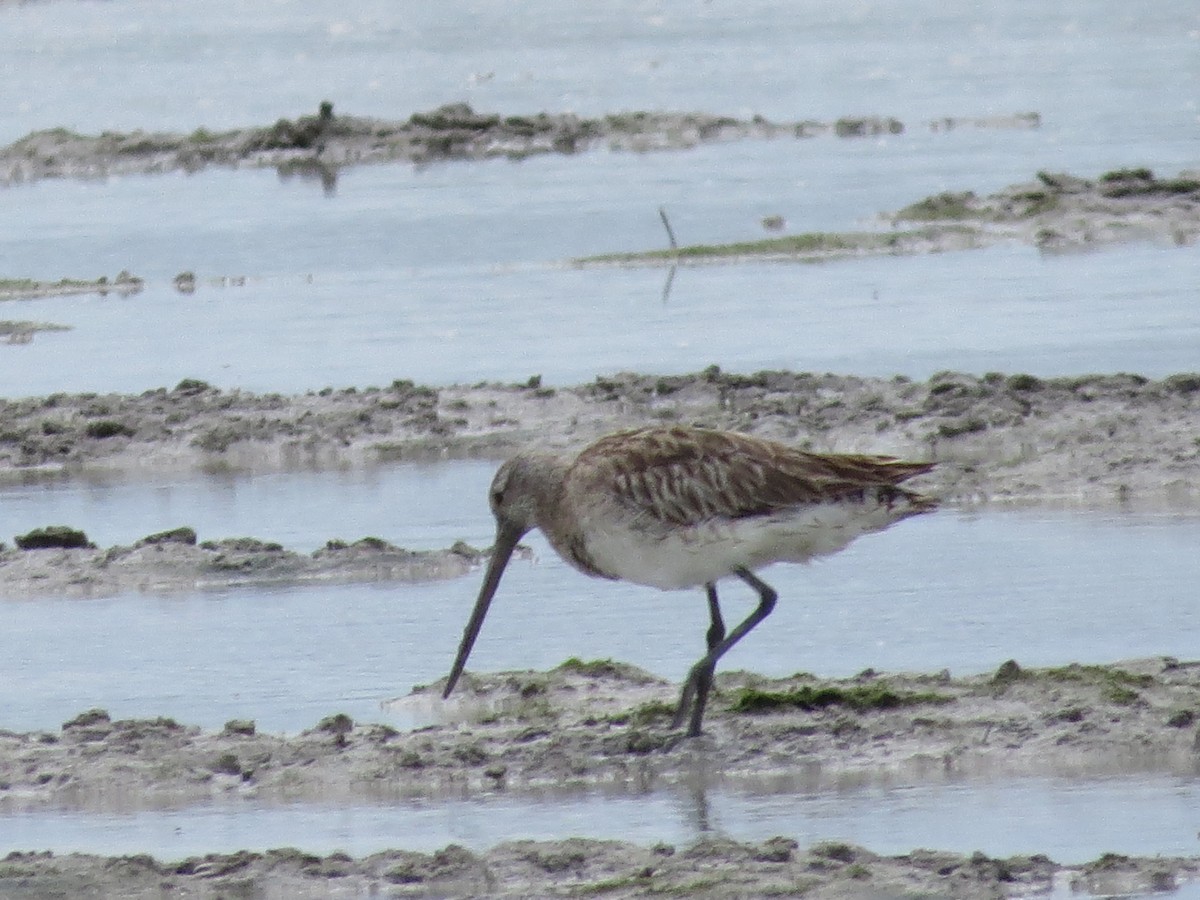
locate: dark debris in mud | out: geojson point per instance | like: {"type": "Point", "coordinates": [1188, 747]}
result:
{"type": "Point", "coordinates": [319, 145]}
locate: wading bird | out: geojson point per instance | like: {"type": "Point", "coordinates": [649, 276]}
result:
{"type": "Point", "coordinates": [678, 507]}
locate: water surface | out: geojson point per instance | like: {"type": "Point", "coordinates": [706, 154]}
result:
{"type": "Point", "coordinates": [1071, 821]}
{"type": "Point", "coordinates": [94, 66]}
{"type": "Point", "coordinates": [949, 590]}
{"type": "Point", "coordinates": [450, 273]}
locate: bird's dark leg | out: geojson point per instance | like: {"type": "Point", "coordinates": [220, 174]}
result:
{"type": "Point", "coordinates": [700, 677]}
{"type": "Point", "coordinates": [716, 631]}
{"type": "Point", "coordinates": [713, 637]}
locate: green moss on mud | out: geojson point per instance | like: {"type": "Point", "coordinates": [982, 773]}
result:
{"type": "Point", "coordinates": [1117, 686]}
{"type": "Point", "coordinates": [949, 205]}
{"type": "Point", "coordinates": [812, 245]}
{"type": "Point", "coordinates": [594, 668]}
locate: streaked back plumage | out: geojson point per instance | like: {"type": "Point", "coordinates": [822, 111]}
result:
{"type": "Point", "coordinates": [685, 476]}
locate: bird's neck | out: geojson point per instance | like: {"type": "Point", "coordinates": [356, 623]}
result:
{"type": "Point", "coordinates": [548, 477]}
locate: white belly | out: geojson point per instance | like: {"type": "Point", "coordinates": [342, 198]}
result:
{"type": "Point", "coordinates": [688, 557]}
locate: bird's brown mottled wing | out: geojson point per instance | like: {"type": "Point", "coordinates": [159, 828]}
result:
{"type": "Point", "coordinates": [681, 475]}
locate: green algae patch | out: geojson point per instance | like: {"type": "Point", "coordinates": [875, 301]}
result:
{"type": "Point", "coordinates": [1142, 182]}
{"type": "Point", "coordinates": [1116, 685]}
{"type": "Point", "coordinates": [1102, 676]}
{"type": "Point", "coordinates": [860, 698]}
{"type": "Point", "coordinates": [949, 205]}
{"type": "Point", "coordinates": [604, 668]}
{"type": "Point", "coordinates": [649, 713]}
{"type": "Point", "coordinates": [593, 668]}
{"type": "Point", "coordinates": [809, 247]}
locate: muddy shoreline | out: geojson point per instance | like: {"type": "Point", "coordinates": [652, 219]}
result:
{"type": "Point", "coordinates": [1098, 442]}
{"type": "Point", "coordinates": [714, 867]}
{"type": "Point", "coordinates": [605, 724]}
{"type": "Point", "coordinates": [320, 145]}
{"type": "Point", "coordinates": [1055, 212]}
{"type": "Point", "coordinates": [157, 566]}
{"type": "Point", "coordinates": [1091, 440]}
{"type": "Point", "coordinates": [1103, 441]}
{"type": "Point", "coordinates": [1094, 442]}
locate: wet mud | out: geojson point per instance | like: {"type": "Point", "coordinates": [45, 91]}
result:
{"type": "Point", "coordinates": [1097, 441]}
{"type": "Point", "coordinates": [606, 724]}
{"type": "Point", "coordinates": [1093, 440]}
{"type": "Point", "coordinates": [167, 565]}
{"type": "Point", "coordinates": [1056, 213]}
{"type": "Point", "coordinates": [578, 867]}
{"type": "Point", "coordinates": [320, 145]}
{"type": "Point", "coordinates": [1103, 441]}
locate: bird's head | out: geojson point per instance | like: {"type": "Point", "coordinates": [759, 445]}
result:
{"type": "Point", "coordinates": [521, 491]}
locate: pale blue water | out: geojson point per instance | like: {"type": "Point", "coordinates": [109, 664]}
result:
{"type": "Point", "coordinates": [423, 506]}
{"type": "Point", "coordinates": [94, 66]}
{"type": "Point", "coordinates": [1005, 309]}
{"type": "Point", "coordinates": [1070, 820]}
{"type": "Point", "coordinates": [451, 273]}
{"type": "Point", "coordinates": [950, 590]}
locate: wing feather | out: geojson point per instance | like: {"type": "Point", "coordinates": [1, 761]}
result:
{"type": "Point", "coordinates": [681, 475]}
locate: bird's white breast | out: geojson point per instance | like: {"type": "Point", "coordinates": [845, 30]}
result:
{"type": "Point", "coordinates": [682, 557]}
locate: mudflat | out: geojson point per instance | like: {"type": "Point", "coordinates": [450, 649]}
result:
{"type": "Point", "coordinates": [1091, 442]}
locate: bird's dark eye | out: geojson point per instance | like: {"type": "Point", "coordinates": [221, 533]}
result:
{"type": "Point", "coordinates": [497, 497]}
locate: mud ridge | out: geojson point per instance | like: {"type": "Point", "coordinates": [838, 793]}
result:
{"type": "Point", "coordinates": [712, 867]}
{"type": "Point", "coordinates": [585, 725]}
{"type": "Point", "coordinates": [1056, 213]}
{"type": "Point", "coordinates": [1094, 440]}
{"type": "Point", "coordinates": [319, 145]}
{"type": "Point", "coordinates": [174, 561]}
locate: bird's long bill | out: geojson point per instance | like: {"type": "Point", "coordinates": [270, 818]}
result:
{"type": "Point", "coordinates": [506, 541]}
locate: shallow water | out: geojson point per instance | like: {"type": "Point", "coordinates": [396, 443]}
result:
{"type": "Point", "coordinates": [1005, 309]}
{"type": "Point", "coordinates": [222, 63]}
{"type": "Point", "coordinates": [1072, 821]}
{"type": "Point", "coordinates": [419, 506]}
{"type": "Point", "coordinates": [449, 273]}
{"type": "Point", "coordinates": [951, 590]}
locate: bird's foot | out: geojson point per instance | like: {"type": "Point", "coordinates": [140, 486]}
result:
{"type": "Point", "coordinates": [681, 711]}
{"type": "Point", "coordinates": [692, 700]}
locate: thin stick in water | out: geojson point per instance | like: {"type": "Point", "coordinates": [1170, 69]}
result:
{"type": "Point", "coordinates": [667, 224]}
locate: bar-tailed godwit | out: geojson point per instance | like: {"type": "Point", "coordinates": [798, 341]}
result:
{"type": "Point", "coordinates": [678, 507]}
